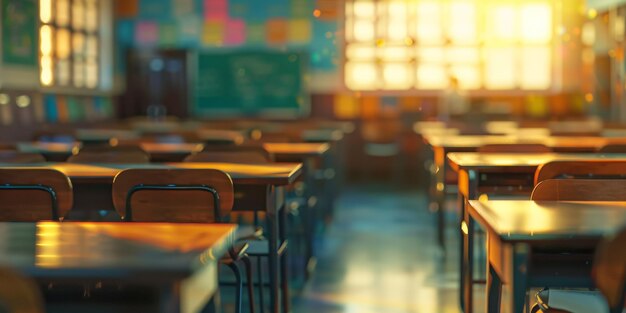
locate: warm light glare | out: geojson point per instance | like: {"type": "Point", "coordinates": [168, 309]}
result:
{"type": "Point", "coordinates": [468, 76]}
{"type": "Point", "coordinates": [536, 23]}
{"type": "Point", "coordinates": [397, 76]}
{"type": "Point", "coordinates": [45, 35]}
{"type": "Point", "coordinates": [500, 68]}
{"type": "Point", "coordinates": [364, 31]}
{"type": "Point", "coordinates": [62, 13]}
{"type": "Point", "coordinates": [45, 10]}
{"type": "Point", "coordinates": [396, 54]}
{"type": "Point", "coordinates": [431, 77]}
{"type": "Point", "coordinates": [63, 44]}
{"type": "Point", "coordinates": [46, 71]}
{"type": "Point", "coordinates": [364, 9]}
{"type": "Point", "coordinates": [355, 52]}
{"type": "Point", "coordinates": [535, 68]}
{"type": "Point", "coordinates": [503, 23]}
{"type": "Point", "coordinates": [428, 19]}
{"type": "Point", "coordinates": [462, 19]}
{"type": "Point", "coordinates": [361, 76]}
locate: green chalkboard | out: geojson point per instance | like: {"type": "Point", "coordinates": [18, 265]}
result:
{"type": "Point", "coordinates": [251, 83]}
{"type": "Point", "coordinates": [19, 32]}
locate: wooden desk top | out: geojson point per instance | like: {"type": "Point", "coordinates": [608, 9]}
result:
{"type": "Point", "coordinates": [180, 148]}
{"type": "Point", "coordinates": [562, 142]}
{"type": "Point", "coordinates": [526, 220]}
{"type": "Point", "coordinates": [504, 161]}
{"type": "Point", "coordinates": [141, 251]}
{"type": "Point", "coordinates": [258, 174]}
{"type": "Point", "coordinates": [296, 149]}
{"type": "Point", "coordinates": [49, 147]}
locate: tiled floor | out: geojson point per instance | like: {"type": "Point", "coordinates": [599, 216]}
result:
{"type": "Point", "coordinates": [380, 255]}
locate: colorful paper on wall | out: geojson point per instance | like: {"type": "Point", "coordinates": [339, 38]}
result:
{"type": "Point", "coordinates": [168, 34]}
{"type": "Point", "coordinates": [235, 32]}
{"type": "Point", "coordinates": [239, 9]}
{"type": "Point", "coordinates": [146, 33]}
{"type": "Point", "coordinates": [155, 9]}
{"type": "Point", "coordinates": [125, 31]}
{"type": "Point", "coordinates": [216, 10]}
{"type": "Point", "coordinates": [324, 53]}
{"type": "Point", "coordinates": [62, 109]}
{"type": "Point", "coordinates": [278, 8]}
{"type": "Point", "coordinates": [346, 106]}
{"type": "Point", "coordinates": [370, 107]}
{"type": "Point", "coordinates": [255, 33]}
{"type": "Point", "coordinates": [299, 31]}
{"type": "Point", "coordinates": [189, 31]}
{"type": "Point", "coordinates": [327, 10]}
{"type": "Point", "coordinates": [277, 31]}
{"type": "Point", "coordinates": [183, 7]}
{"type": "Point", "coordinates": [301, 8]}
{"type": "Point", "coordinates": [213, 33]}
{"type": "Point", "coordinates": [126, 8]}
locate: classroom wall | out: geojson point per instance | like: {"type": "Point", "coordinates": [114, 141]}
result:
{"type": "Point", "coordinates": [23, 102]}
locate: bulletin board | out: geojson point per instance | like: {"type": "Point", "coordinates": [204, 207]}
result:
{"type": "Point", "coordinates": [19, 32]}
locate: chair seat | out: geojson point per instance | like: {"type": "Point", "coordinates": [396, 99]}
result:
{"type": "Point", "coordinates": [574, 301]}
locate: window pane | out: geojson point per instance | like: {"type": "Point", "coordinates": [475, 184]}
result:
{"type": "Point", "coordinates": [45, 11]}
{"type": "Point", "coordinates": [500, 68]}
{"type": "Point", "coordinates": [364, 31]}
{"type": "Point", "coordinates": [536, 23]}
{"type": "Point", "coordinates": [63, 43]}
{"type": "Point", "coordinates": [46, 71]}
{"type": "Point", "coordinates": [361, 76]}
{"type": "Point", "coordinates": [429, 24]}
{"type": "Point", "coordinates": [431, 76]}
{"type": "Point", "coordinates": [78, 15]}
{"type": "Point", "coordinates": [92, 74]}
{"type": "Point", "coordinates": [397, 31]}
{"type": "Point", "coordinates": [462, 22]}
{"type": "Point", "coordinates": [79, 72]}
{"type": "Point", "coordinates": [92, 47]}
{"type": "Point", "coordinates": [46, 32]}
{"type": "Point", "coordinates": [468, 76]}
{"type": "Point", "coordinates": [78, 44]}
{"type": "Point", "coordinates": [364, 9]}
{"type": "Point", "coordinates": [63, 72]}
{"type": "Point", "coordinates": [91, 15]}
{"type": "Point", "coordinates": [398, 76]}
{"type": "Point", "coordinates": [503, 23]}
{"type": "Point", "coordinates": [62, 13]}
{"type": "Point", "coordinates": [535, 68]}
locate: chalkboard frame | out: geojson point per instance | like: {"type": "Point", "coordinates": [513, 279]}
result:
{"type": "Point", "coordinates": [300, 110]}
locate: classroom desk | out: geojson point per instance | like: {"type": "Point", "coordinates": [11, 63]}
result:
{"type": "Point", "coordinates": [258, 187]}
{"type": "Point", "coordinates": [519, 231]}
{"type": "Point", "coordinates": [176, 262]}
{"type": "Point", "coordinates": [444, 144]}
{"type": "Point", "coordinates": [497, 173]}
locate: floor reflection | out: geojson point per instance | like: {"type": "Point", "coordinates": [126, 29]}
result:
{"type": "Point", "coordinates": [380, 255]}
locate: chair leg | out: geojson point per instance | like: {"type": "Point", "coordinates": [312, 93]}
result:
{"type": "Point", "coordinates": [233, 266]}
{"type": "Point", "coordinates": [260, 276]}
{"type": "Point", "coordinates": [248, 265]}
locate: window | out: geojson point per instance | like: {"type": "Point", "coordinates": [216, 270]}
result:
{"type": "Point", "coordinates": [422, 44]}
{"type": "Point", "coordinates": [69, 43]}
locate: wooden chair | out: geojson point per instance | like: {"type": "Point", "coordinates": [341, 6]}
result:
{"type": "Point", "coordinates": [34, 194]}
{"type": "Point", "coordinates": [580, 190]}
{"type": "Point", "coordinates": [19, 294]}
{"type": "Point", "coordinates": [609, 275]}
{"type": "Point", "coordinates": [9, 156]}
{"type": "Point", "coordinates": [514, 148]}
{"type": "Point", "coordinates": [581, 169]}
{"type": "Point", "coordinates": [107, 154]}
{"type": "Point", "coordinates": [182, 196]}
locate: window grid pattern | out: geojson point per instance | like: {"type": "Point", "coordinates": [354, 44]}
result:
{"type": "Point", "coordinates": [423, 44]}
{"type": "Point", "coordinates": [69, 43]}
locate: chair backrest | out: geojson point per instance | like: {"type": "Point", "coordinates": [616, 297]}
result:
{"type": "Point", "coordinates": [173, 195]}
{"type": "Point", "coordinates": [9, 156]}
{"type": "Point", "coordinates": [19, 294]}
{"type": "Point", "coordinates": [232, 154]}
{"type": "Point", "coordinates": [514, 148]}
{"type": "Point", "coordinates": [609, 270]}
{"type": "Point", "coordinates": [34, 194]}
{"type": "Point", "coordinates": [107, 154]}
{"type": "Point", "coordinates": [581, 169]}
{"type": "Point", "coordinates": [613, 148]}
{"type": "Point", "coordinates": [580, 190]}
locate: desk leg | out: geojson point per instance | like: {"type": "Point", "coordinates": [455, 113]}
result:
{"type": "Point", "coordinates": [272, 225]}
{"type": "Point", "coordinates": [494, 290]}
{"type": "Point", "coordinates": [284, 268]}
{"type": "Point", "coordinates": [467, 229]}
{"type": "Point", "coordinates": [440, 194]}
{"type": "Point", "coordinates": [519, 280]}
